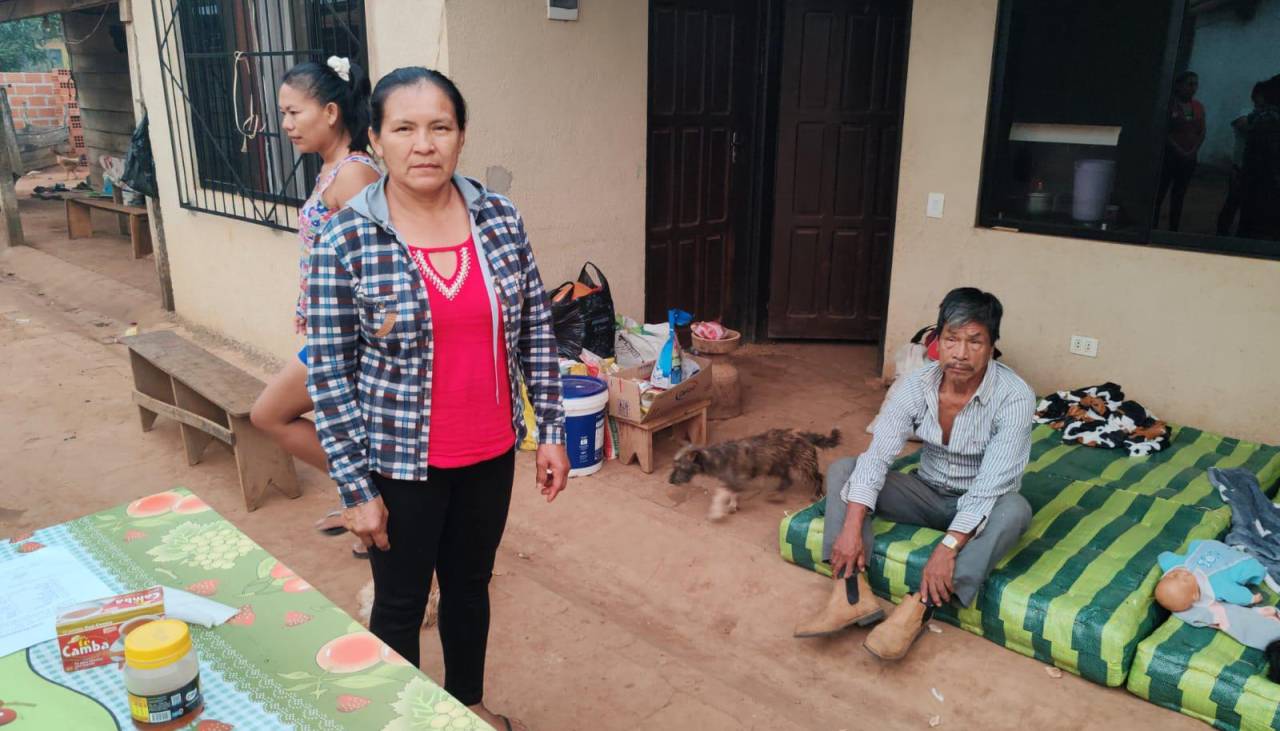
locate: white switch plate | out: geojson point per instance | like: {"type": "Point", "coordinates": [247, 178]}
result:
{"type": "Point", "coordinates": [934, 207]}
{"type": "Point", "coordinates": [1081, 345]}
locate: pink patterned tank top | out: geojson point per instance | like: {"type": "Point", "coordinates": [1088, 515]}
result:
{"type": "Point", "coordinates": [312, 217]}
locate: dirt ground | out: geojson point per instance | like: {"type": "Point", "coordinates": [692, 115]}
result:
{"type": "Point", "coordinates": [617, 607]}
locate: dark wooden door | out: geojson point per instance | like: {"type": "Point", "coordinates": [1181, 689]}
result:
{"type": "Point", "coordinates": [839, 112]}
{"type": "Point", "coordinates": [702, 75]}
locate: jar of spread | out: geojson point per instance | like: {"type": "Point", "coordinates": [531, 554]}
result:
{"type": "Point", "coordinates": [161, 672]}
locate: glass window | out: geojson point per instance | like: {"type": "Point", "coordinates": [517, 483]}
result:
{"type": "Point", "coordinates": [1132, 122]}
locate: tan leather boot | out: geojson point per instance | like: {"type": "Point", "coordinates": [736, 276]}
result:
{"type": "Point", "coordinates": [893, 637]}
{"type": "Point", "coordinates": [839, 614]}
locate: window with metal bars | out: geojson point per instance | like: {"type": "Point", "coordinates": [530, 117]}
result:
{"type": "Point", "coordinates": [221, 63]}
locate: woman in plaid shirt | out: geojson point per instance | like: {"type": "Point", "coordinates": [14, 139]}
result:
{"type": "Point", "coordinates": [426, 312]}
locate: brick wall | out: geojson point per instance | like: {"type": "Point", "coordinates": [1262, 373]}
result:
{"type": "Point", "coordinates": [44, 100]}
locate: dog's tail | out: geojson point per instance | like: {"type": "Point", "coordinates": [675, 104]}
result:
{"type": "Point", "coordinates": [821, 442]}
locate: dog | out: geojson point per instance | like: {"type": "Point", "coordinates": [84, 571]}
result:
{"type": "Point", "coordinates": [365, 597]}
{"type": "Point", "coordinates": [775, 453]}
{"type": "Point", "coordinates": [69, 164]}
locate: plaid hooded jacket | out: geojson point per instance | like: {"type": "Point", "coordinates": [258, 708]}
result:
{"type": "Point", "coordinates": [370, 344]}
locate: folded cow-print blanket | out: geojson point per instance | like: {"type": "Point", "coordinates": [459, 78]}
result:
{"type": "Point", "coordinates": [1099, 416]}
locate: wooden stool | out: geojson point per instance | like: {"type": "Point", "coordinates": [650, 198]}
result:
{"type": "Point", "coordinates": [635, 441]}
{"type": "Point", "coordinates": [210, 399]}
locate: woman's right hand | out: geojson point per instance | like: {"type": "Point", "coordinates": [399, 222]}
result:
{"type": "Point", "coordinates": [847, 554]}
{"type": "Point", "coordinates": [300, 324]}
{"type": "Point", "coordinates": [368, 522]}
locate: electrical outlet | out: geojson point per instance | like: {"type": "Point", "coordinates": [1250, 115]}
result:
{"type": "Point", "coordinates": [1081, 345]}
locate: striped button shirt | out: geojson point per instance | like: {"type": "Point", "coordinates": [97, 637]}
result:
{"type": "Point", "coordinates": [370, 343]}
{"type": "Point", "coordinates": [989, 448]}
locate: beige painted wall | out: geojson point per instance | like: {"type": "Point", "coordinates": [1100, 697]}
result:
{"type": "Point", "coordinates": [235, 278]}
{"type": "Point", "coordinates": [561, 107]}
{"type": "Point", "coordinates": [1192, 336]}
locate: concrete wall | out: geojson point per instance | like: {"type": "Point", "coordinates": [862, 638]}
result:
{"type": "Point", "coordinates": [235, 278]}
{"type": "Point", "coordinates": [559, 106]}
{"type": "Point", "coordinates": [1231, 55]}
{"type": "Point", "coordinates": [558, 119]}
{"type": "Point", "coordinates": [1190, 335]}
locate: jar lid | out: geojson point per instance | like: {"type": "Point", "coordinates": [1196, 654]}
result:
{"type": "Point", "coordinates": [156, 644]}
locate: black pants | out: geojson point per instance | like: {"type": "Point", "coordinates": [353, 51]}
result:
{"type": "Point", "coordinates": [452, 525]}
{"type": "Point", "coordinates": [1231, 206]}
{"type": "Point", "coordinates": [1176, 173]}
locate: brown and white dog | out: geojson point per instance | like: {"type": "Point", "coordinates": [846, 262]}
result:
{"type": "Point", "coordinates": [775, 453]}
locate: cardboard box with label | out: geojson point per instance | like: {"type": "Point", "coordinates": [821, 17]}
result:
{"type": "Point", "coordinates": [624, 393]}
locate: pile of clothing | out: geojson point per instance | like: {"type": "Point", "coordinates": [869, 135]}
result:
{"type": "Point", "coordinates": [1255, 520]}
{"type": "Point", "coordinates": [1099, 416]}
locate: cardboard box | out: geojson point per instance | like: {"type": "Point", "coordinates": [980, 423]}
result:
{"type": "Point", "coordinates": [624, 392]}
{"type": "Point", "coordinates": [92, 633]}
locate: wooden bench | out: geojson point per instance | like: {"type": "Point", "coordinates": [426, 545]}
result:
{"type": "Point", "coordinates": [210, 399]}
{"type": "Point", "coordinates": [635, 441]}
{"type": "Point", "coordinates": [132, 220]}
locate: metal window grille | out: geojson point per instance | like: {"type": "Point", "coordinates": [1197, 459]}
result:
{"type": "Point", "coordinates": [221, 63]}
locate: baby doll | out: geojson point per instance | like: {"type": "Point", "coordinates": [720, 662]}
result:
{"type": "Point", "coordinates": [1209, 587]}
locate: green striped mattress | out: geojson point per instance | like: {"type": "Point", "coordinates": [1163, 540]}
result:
{"type": "Point", "coordinates": [1076, 591]}
{"type": "Point", "coordinates": [1207, 675]}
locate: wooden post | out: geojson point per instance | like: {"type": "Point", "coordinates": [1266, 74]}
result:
{"type": "Point", "coordinates": [154, 219]}
{"type": "Point", "coordinates": [10, 170]}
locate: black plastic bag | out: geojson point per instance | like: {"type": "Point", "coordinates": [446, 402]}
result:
{"type": "Point", "coordinates": [139, 165]}
{"type": "Point", "coordinates": [567, 322]}
{"type": "Point", "coordinates": [597, 312]}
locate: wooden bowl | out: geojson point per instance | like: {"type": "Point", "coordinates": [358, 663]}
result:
{"type": "Point", "coordinates": [728, 344]}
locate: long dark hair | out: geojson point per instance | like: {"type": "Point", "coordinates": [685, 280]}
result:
{"type": "Point", "coordinates": [324, 85]}
{"type": "Point", "coordinates": [409, 76]}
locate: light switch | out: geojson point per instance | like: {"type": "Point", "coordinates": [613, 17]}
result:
{"type": "Point", "coordinates": [934, 207]}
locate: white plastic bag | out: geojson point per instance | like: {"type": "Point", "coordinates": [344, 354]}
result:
{"type": "Point", "coordinates": [636, 344]}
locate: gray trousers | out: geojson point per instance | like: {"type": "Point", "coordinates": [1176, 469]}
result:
{"type": "Point", "coordinates": [910, 500]}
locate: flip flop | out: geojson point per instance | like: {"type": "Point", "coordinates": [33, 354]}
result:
{"type": "Point", "coordinates": [506, 721]}
{"type": "Point", "coordinates": [326, 526]}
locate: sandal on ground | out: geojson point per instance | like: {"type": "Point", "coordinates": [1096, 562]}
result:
{"type": "Point", "coordinates": [332, 524]}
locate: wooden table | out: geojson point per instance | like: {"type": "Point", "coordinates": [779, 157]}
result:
{"type": "Point", "coordinates": [290, 659]}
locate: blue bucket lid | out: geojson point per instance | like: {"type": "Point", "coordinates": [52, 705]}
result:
{"type": "Point", "coordinates": [581, 386]}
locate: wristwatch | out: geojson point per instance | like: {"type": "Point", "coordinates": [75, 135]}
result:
{"type": "Point", "coordinates": [951, 542]}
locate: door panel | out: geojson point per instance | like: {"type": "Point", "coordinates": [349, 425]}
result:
{"type": "Point", "coordinates": [702, 75]}
{"type": "Point", "coordinates": [840, 102]}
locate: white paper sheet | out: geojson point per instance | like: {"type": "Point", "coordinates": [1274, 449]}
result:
{"type": "Point", "coordinates": [35, 586]}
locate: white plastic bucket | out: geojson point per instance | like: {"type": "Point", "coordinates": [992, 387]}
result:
{"type": "Point", "coordinates": [1092, 189]}
{"type": "Point", "coordinates": [586, 400]}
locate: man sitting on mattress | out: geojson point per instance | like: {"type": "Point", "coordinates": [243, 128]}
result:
{"type": "Point", "coordinates": [974, 416]}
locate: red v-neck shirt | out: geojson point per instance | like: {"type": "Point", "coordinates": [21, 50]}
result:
{"type": "Point", "coordinates": [470, 394]}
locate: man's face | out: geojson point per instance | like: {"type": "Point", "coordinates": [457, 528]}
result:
{"type": "Point", "coordinates": [965, 350]}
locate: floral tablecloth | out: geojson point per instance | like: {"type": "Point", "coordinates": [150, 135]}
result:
{"type": "Point", "coordinates": [290, 659]}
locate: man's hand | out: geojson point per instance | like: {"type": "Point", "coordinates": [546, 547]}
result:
{"type": "Point", "coordinates": [368, 522]}
{"type": "Point", "coordinates": [936, 582]}
{"type": "Point", "coordinates": [552, 471]}
{"type": "Point", "coordinates": [300, 325]}
{"type": "Point", "coordinates": [848, 555]}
